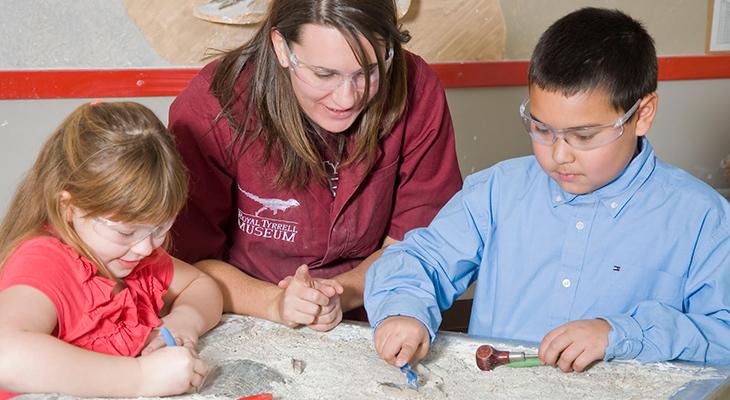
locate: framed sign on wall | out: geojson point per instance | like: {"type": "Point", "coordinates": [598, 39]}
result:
{"type": "Point", "coordinates": [718, 26]}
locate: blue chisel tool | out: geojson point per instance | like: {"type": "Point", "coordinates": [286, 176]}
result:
{"type": "Point", "coordinates": [167, 337]}
{"type": "Point", "coordinates": [411, 376]}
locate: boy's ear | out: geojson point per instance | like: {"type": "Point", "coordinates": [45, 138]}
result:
{"type": "Point", "coordinates": [277, 41]}
{"type": "Point", "coordinates": [646, 113]}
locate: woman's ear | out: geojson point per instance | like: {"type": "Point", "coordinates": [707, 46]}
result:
{"type": "Point", "coordinates": [277, 41]}
{"type": "Point", "coordinates": [646, 113]}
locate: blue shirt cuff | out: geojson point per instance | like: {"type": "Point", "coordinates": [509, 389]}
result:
{"type": "Point", "coordinates": [412, 307]}
{"type": "Point", "coordinates": [625, 340]}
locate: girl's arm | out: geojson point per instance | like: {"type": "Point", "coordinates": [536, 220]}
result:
{"type": "Point", "coordinates": [35, 361]}
{"type": "Point", "coordinates": [195, 303]}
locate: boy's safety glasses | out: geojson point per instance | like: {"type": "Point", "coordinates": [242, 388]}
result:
{"type": "Point", "coordinates": [580, 138]}
{"type": "Point", "coordinates": [129, 234]}
{"type": "Point", "coordinates": [325, 79]}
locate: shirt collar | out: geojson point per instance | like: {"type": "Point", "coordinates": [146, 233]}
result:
{"type": "Point", "coordinates": [618, 192]}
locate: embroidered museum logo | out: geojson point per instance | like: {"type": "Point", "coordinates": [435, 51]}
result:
{"type": "Point", "coordinates": [265, 227]}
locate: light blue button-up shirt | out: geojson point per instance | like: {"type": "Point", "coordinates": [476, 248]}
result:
{"type": "Point", "coordinates": [649, 253]}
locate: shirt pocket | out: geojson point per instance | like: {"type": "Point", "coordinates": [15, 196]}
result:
{"type": "Point", "coordinates": [626, 285]}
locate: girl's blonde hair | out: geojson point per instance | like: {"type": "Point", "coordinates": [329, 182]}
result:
{"type": "Point", "coordinates": [115, 160]}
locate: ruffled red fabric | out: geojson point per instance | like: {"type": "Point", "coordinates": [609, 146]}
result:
{"type": "Point", "coordinates": [90, 315]}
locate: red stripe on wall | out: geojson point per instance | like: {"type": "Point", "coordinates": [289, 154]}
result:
{"type": "Point", "coordinates": [51, 84]}
{"type": "Point", "coordinates": [482, 74]}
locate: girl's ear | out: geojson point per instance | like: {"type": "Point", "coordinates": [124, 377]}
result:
{"type": "Point", "coordinates": [65, 203]}
{"type": "Point", "coordinates": [277, 42]}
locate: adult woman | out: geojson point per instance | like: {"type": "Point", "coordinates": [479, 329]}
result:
{"type": "Point", "coordinates": [310, 148]}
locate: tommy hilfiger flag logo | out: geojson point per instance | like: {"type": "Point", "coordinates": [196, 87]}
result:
{"type": "Point", "coordinates": [617, 268]}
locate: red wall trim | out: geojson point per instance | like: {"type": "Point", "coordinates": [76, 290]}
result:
{"type": "Point", "coordinates": [52, 84]}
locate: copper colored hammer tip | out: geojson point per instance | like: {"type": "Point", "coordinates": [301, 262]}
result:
{"type": "Point", "coordinates": [488, 357]}
{"type": "Point", "coordinates": [484, 357]}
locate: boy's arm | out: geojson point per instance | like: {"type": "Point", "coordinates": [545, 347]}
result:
{"type": "Point", "coordinates": [653, 331]}
{"type": "Point", "coordinates": [433, 266]}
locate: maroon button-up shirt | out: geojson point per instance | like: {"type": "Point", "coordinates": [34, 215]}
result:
{"type": "Point", "coordinates": [235, 212]}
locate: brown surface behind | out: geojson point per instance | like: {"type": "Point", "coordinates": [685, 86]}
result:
{"type": "Point", "coordinates": [442, 30]}
{"type": "Point", "coordinates": [173, 31]}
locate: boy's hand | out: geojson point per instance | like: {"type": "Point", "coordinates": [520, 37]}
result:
{"type": "Point", "coordinates": [577, 344]}
{"type": "Point", "coordinates": [400, 340]}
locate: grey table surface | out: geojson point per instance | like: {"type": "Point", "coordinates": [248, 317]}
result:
{"type": "Point", "coordinates": [253, 356]}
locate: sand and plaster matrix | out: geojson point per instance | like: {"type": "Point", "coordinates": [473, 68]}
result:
{"type": "Point", "coordinates": [254, 356]}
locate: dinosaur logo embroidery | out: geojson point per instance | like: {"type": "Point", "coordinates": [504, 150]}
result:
{"type": "Point", "coordinates": [274, 205]}
{"type": "Point", "coordinates": [267, 227]}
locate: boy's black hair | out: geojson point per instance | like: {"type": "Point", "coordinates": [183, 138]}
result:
{"type": "Point", "coordinates": [594, 48]}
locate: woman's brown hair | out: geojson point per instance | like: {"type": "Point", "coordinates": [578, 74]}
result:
{"type": "Point", "coordinates": [114, 160]}
{"type": "Point", "coordinates": [280, 120]}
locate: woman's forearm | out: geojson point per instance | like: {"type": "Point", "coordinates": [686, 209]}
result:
{"type": "Point", "coordinates": [354, 280]}
{"type": "Point", "coordinates": [243, 294]}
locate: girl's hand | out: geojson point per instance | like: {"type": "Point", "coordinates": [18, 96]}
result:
{"type": "Point", "coordinates": [156, 341]}
{"type": "Point", "coordinates": [303, 298]}
{"type": "Point", "coordinates": [170, 371]}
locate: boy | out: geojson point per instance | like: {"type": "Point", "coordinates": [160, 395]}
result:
{"type": "Point", "coordinates": [592, 246]}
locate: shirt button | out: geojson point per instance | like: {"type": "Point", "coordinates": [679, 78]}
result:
{"type": "Point", "coordinates": [580, 225]}
{"type": "Point", "coordinates": [558, 198]}
{"type": "Point", "coordinates": [566, 283]}
{"type": "Point", "coordinates": [614, 204]}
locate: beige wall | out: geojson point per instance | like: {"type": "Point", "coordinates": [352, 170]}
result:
{"type": "Point", "coordinates": [692, 128]}
{"type": "Point", "coordinates": [678, 26]}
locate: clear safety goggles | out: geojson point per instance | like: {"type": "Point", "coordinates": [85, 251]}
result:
{"type": "Point", "coordinates": [130, 234]}
{"type": "Point", "coordinates": [581, 138]}
{"type": "Point", "coordinates": [325, 79]}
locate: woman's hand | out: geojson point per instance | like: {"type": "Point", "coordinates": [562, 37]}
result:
{"type": "Point", "coordinates": [329, 317]}
{"type": "Point", "coordinates": [304, 300]}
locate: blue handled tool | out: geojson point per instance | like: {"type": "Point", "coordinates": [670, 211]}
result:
{"type": "Point", "coordinates": [167, 337]}
{"type": "Point", "coordinates": [411, 376]}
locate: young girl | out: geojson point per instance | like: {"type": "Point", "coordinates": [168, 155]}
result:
{"type": "Point", "coordinates": [84, 279]}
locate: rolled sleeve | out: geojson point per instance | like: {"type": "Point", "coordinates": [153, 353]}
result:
{"type": "Point", "coordinates": [625, 338]}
